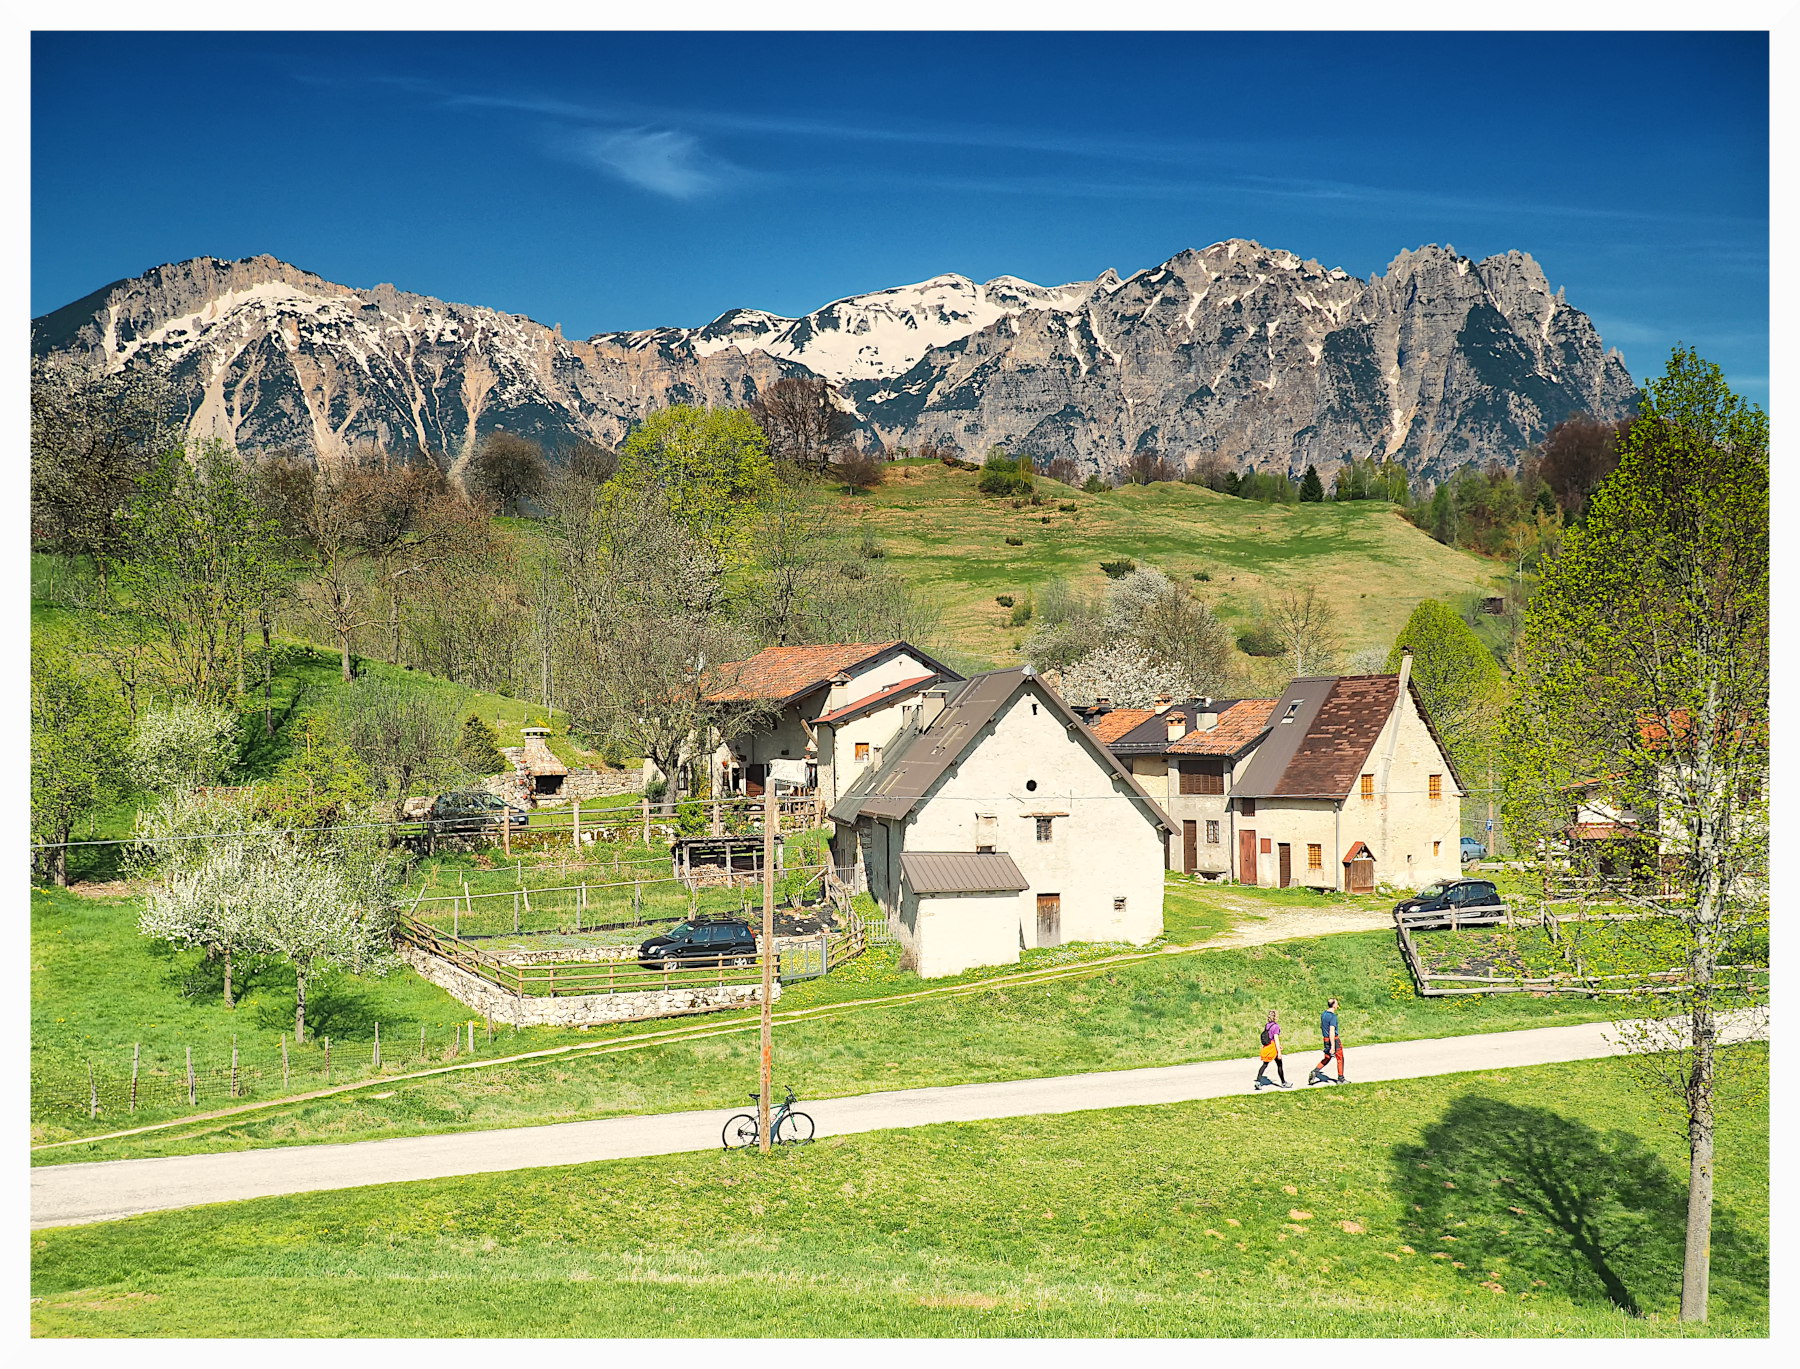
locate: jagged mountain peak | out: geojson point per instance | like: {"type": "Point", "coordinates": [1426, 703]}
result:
{"type": "Point", "coordinates": [1235, 351]}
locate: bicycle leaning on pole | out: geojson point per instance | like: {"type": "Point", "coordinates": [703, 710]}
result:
{"type": "Point", "coordinates": [788, 1127]}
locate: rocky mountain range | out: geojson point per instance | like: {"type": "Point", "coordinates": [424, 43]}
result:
{"type": "Point", "coordinates": [1238, 351]}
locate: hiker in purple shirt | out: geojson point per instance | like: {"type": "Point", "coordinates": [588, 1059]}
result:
{"type": "Point", "coordinates": [1271, 1051]}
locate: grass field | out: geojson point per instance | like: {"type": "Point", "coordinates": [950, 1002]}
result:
{"type": "Point", "coordinates": [1418, 1208]}
{"type": "Point", "coordinates": [949, 542]}
{"type": "Point", "coordinates": [1162, 1009]}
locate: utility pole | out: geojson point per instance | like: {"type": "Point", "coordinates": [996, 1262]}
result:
{"type": "Point", "coordinates": [770, 818]}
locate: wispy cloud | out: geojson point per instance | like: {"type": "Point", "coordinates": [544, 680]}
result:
{"type": "Point", "coordinates": [664, 161]}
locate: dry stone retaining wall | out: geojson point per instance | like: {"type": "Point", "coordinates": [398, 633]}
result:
{"type": "Point", "coordinates": [584, 1010]}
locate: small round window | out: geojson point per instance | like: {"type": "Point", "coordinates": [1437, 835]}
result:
{"type": "Point", "coordinates": [1031, 786]}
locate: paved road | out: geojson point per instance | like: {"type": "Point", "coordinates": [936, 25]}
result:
{"type": "Point", "coordinates": [72, 1194]}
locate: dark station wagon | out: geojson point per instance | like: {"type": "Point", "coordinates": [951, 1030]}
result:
{"type": "Point", "coordinates": [1452, 902]}
{"type": "Point", "coordinates": [701, 941]}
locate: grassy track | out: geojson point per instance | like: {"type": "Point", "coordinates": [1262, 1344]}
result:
{"type": "Point", "coordinates": [1293, 1214]}
{"type": "Point", "coordinates": [949, 542]}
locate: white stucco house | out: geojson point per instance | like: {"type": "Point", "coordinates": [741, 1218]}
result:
{"type": "Point", "coordinates": [997, 821]}
{"type": "Point", "coordinates": [1349, 787]}
{"type": "Point", "coordinates": [837, 705]}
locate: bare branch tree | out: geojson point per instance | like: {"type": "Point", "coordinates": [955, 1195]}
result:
{"type": "Point", "coordinates": [1307, 629]}
{"type": "Point", "coordinates": [802, 421]}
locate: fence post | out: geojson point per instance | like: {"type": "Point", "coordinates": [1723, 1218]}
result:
{"type": "Point", "coordinates": [234, 1072]}
{"type": "Point", "coordinates": [190, 1075]}
{"type": "Point", "coordinates": [456, 912]}
{"type": "Point", "coordinates": [93, 1093]}
{"type": "Point", "coordinates": [646, 822]}
{"type": "Point", "coordinates": [284, 1063]}
{"type": "Point", "coordinates": [328, 1060]}
{"type": "Point", "coordinates": [575, 827]}
{"type": "Point", "coordinates": [506, 834]}
{"type": "Point", "coordinates": [490, 1030]}
{"type": "Point", "coordinates": [515, 912]}
{"type": "Point", "coordinates": [134, 1074]}
{"type": "Point", "coordinates": [471, 1036]}
{"type": "Point", "coordinates": [378, 1045]}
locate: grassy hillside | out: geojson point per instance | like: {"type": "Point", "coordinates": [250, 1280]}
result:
{"type": "Point", "coordinates": [950, 541]}
{"type": "Point", "coordinates": [1372, 1211]}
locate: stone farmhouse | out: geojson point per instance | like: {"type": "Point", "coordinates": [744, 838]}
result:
{"type": "Point", "coordinates": [997, 821]}
{"type": "Point", "coordinates": [1189, 756]}
{"type": "Point", "coordinates": [1350, 787]}
{"type": "Point", "coordinates": [840, 704]}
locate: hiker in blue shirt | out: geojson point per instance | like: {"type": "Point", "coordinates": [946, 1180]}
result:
{"type": "Point", "coordinates": [1334, 1047]}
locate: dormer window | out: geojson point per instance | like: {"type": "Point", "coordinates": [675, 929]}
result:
{"type": "Point", "coordinates": [1292, 710]}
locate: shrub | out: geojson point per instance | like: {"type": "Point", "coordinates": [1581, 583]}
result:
{"type": "Point", "coordinates": [1202, 575]}
{"type": "Point", "coordinates": [1260, 640]}
{"type": "Point", "coordinates": [1021, 613]}
{"type": "Point", "coordinates": [1065, 508]}
{"type": "Point", "coordinates": [869, 549]}
{"type": "Point", "coordinates": [1003, 475]}
{"type": "Point", "coordinates": [183, 746]}
{"type": "Point", "coordinates": [1015, 541]}
{"type": "Point", "coordinates": [1004, 600]}
{"type": "Point", "coordinates": [1118, 570]}
{"type": "Point", "coordinates": [861, 470]}
{"type": "Point", "coordinates": [1094, 485]}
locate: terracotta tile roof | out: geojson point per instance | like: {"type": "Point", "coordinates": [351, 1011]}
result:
{"type": "Point", "coordinates": [781, 672]}
{"type": "Point", "coordinates": [1335, 723]}
{"type": "Point", "coordinates": [849, 710]}
{"type": "Point", "coordinates": [1600, 831]}
{"type": "Point", "coordinates": [1239, 726]}
{"type": "Point", "coordinates": [1110, 726]}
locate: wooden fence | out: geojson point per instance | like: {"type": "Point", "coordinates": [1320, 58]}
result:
{"type": "Point", "coordinates": [644, 822]}
{"type": "Point", "coordinates": [1438, 984]}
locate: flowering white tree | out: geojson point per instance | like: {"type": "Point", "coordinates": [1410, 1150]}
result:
{"type": "Point", "coordinates": [1125, 674]}
{"type": "Point", "coordinates": [207, 855]}
{"type": "Point", "coordinates": [183, 746]}
{"type": "Point", "coordinates": [1151, 637]}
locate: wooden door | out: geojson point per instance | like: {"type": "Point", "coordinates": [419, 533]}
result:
{"type": "Point", "coordinates": [1190, 847]}
{"type": "Point", "coordinates": [1287, 864]}
{"type": "Point", "coordinates": [1049, 910]}
{"type": "Point", "coordinates": [1246, 857]}
{"type": "Point", "coordinates": [1362, 876]}
{"type": "Point", "coordinates": [754, 775]}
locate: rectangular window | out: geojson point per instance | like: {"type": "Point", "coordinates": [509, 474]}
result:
{"type": "Point", "coordinates": [1043, 829]}
{"type": "Point", "coordinates": [1315, 856]}
{"type": "Point", "coordinates": [1436, 846]}
{"type": "Point", "coordinates": [1118, 905]}
{"type": "Point", "coordinates": [1212, 833]}
{"type": "Point", "coordinates": [862, 751]}
{"type": "Point", "coordinates": [1434, 786]}
{"type": "Point", "coordinates": [1368, 787]}
{"type": "Point", "coordinates": [1247, 807]}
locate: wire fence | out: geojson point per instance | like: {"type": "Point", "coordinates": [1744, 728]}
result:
{"type": "Point", "coordinates": [127, 1082]}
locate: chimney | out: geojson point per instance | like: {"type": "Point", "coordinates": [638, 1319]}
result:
{"type": "Point", "coordinates": [1206, 718]}
{"type": "Point", "coordinates": [931, 703]}
{"type": "Point", "coordinates": [1163, 700]}
{"type": "Point", "coordinates": [1177, 724]}
{"type": "Point", "coordinates": [1103, 705]}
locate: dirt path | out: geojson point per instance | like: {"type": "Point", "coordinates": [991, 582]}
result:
{"type": "Point", "coordinates": [1256, 928]}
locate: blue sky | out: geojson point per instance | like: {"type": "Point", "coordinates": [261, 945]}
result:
{"type": "Point", "coordinates": [626, 180]}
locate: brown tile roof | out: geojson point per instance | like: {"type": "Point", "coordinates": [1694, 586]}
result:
{"type": "Point", "coordinates": [1320, 753]}
{"type": "Point", "coordinates": [1239, 726]}
{"type": "Point", "coordinates": [1110, 726]}
{"type": "Point", "coordinates": [961, 872]}
{"type": "Point", "coordinates": [915, 761]}
{"type": "Point", "coordinates": [849, 710]}
{"type": "Point", "coordinates": [781, 672]}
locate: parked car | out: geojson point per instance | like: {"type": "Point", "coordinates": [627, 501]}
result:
{"type": "Point", "coordinates": [469, 813]}
{"type": "Point", "coordinates": [706, 939]}
{"type": "Point", "coordinates": [1472, 849]}
{"type": "Point", "coordinates": [1455, 895]}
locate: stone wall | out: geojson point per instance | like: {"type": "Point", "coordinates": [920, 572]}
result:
{"type": "Point", "coordinates": [580, 785]}
{"type": "Point", "coordinates": [584, 1010]}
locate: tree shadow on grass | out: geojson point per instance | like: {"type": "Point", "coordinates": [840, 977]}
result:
{"type": "Point", "coordinates": [1523, 1195]}
{"type": "Point", "coordinates": [334, 1007]}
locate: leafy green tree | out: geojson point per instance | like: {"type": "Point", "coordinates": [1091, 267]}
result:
{"type": "Point", "coordinates": [201, 552]}
{"type": "Point", "coordinates": [78, 753]}
{"type": "Point", "coordinates": [1644, 662]}
{"type": "Point", "coordinates": [322, 783]}
{"type": "Point", "coordinates": [403, 737]}
{"type": "Point", "coordinates": [1312, 489]}
{"type": "Point", "coordinates": [1461, 684]}
{"type": "Point", "coordinates": [711, 466]}
{"type": "Point", "coordinates": [478, 748]}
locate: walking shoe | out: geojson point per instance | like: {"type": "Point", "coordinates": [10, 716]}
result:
{"type": "Point", "coordinates": [1342, 1080]}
